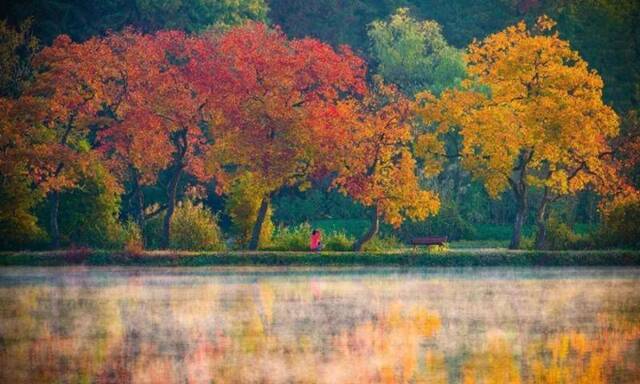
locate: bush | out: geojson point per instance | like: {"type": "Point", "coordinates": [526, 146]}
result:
{"type": "Point", "coordinates": [242, 206]}
{"type": "Point", "coordinates": [382, 244]}
{"type": "Point", "coordinates": [290, 238]}
{"type": "Point", "coordinates": [194, 227]}
{"type": "Point", "coordinates": [88, 214]}
{"type": "Point", "coordinates": [297, 239]}
{"type": "Point", "coordinates": [621, 226]}
{"type": "Point", "coordinates": [18, 226]}
{"type": "Point", "coordinates": [338, 241]}
{"type": "Point", "coordinates": [132, 241]}
{"type": "Point", "coordinates": [561, 236]}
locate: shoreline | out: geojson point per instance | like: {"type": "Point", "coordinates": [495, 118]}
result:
{"type": "Point", "coordinates": [422, 258]}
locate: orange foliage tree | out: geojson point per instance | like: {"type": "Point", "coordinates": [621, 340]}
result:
{"type": "Point", "coordinates": [127, 95]}
{"type": "Point", "coordinates": [378, 169]}
{"type": "Point", "coordinates": [157, 122]}
{"type": "Point", "coordinates": [272, 101]}
{"type": "Point", "coordinates": [533, 117]}
{"type": "Point", "coordinates": [63, 101]}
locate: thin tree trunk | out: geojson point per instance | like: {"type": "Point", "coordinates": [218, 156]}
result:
{"type": "Point", "coordinates": [541, 223]}
{"type": "Point", "coordinates": [373, 230]}
{"type": "Point", "coordinates": [138, 204]}
{"type": "Point", "coordinates": [257, 227]}
{"type": "Point", "coordinates": [521, 214]}
{"type": "Point", "coordinates": [172, 192]}
{"type": "Point", "coordinates": [520, 188]}
{"type": "Point", "coordinates": [54, 199]}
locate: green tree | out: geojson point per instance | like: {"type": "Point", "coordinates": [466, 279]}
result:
{"type": "Point", "coordinates": [414, 54]}
{"type": "Point", "coordinates": [89, 212]}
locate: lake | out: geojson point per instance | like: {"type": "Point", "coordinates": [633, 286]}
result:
{"type": "Point", "coordinates": [319, 325]}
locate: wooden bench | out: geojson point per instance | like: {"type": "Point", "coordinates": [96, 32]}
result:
{"type": "Point", "coordinates": [436, 240]}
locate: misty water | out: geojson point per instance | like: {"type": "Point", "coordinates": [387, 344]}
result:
{"type": "Point", "coordinates": [326, 325]}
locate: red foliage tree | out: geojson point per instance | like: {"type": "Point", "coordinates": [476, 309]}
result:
{"type": "Point", "coordinates": [272, 100]}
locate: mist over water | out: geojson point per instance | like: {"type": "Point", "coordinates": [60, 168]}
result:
{"type": "Point", "coordinates": [357, 325]}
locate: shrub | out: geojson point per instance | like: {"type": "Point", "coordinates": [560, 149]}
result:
{"type": "Point", "coordinates": [297, 239]}
{"type": "Point", "coordinates": [132, 240]}
{"type": "Point", "coordinates": [291, 238]}
{"type": "Point", "coordinates": [18, 226]}
{"type": "Point", "coordinates": [560, 235]}
{"type": "Point", "coordinates": [338, 241]}
{"type": "Point", "coordinates": [242, 206]}
{"type": "Point", "coordinates": [88, 214]}
{"type": "Point", "coordinates": [382, 243]}
{"type": "Point", "coordinates": [621, 226]}
{"type": "Point", "coordinates": [194, 227]}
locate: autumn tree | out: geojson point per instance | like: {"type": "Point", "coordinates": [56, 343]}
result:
{"type": "Point", "coordinates": [378, 168]}
{"type": "Point", "coordinates": [22, 140]}
{"type": "Point", "coordinates": [539, 123]}
{"type": "Point", "coordinates": [157, 122]}
{"type": "Point", "coordinates": [20, 137]}
{"type": "Point", "coordinates": [63, 83]}
{"type": "Point", "coordinates": [272, 100]}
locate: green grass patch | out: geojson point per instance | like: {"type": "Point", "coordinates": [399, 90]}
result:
{"type": "Point", "coordinates": [420, 257]}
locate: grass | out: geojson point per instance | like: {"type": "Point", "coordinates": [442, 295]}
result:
{"type": "Point", "coordinates": [421, 257]}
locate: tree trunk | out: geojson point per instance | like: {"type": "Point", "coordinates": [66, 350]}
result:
{"type": "Point", "coordinates": [373, 230]}
{"type": "Point", "coordinates": [257, 227]}
{"type": "Point", "coordinates": [172, 192]}
{"type": "Point", "coordinates": [521, 215]}
{"type": "Point", "coordinates": [138, 204]}
{"type": "Point", "coordinates": [54, 199]}
{"type": "Point", "coordinates": [541, 223]}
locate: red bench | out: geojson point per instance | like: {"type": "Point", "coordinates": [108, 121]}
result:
{"type": "Point", "coordinates": [436, 240]}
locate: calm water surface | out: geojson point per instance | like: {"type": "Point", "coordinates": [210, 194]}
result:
{"type": "Point", "coordinates": [297, 325]}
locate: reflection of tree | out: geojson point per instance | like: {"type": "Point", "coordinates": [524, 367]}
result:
{"type": "Point", "coordinates": [44, 351]}
{"type": "Point", "coordinates": [285, 332]}
{"type": "Point", "coordinates": [565, 357]}
{"type": "Point", "coordinates": [385, 349]}
{"type": "Point", "coordinates": [497, 364]}
{"type": "Point", "coordinates": [574, 357]}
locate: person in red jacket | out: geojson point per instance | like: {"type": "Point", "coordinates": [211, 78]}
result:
{"type": "Point", "coordinates": [316, 240]}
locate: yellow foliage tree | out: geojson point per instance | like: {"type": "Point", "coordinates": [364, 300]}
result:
{"type": "Point", "coordinates": [378, 168]}
{"type": "Point", "coordinates": [531, 116]}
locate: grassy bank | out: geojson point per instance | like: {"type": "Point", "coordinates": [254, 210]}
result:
{"type": "Point", "coordinates": [455, 257]}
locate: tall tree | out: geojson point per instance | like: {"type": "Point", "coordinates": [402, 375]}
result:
{"type": "Point", "coordinates": [541, 122]}
{"type": "Point", "coordinates": [272, 100]}
{"type": "Point", "coordinates": [157, 118]}
{"type": "Point", "coordinates": [64, 82]}
{"type": "Point", "coordinates": [414, 54]}
{"type": "Point", "coordinates": [378, 168]}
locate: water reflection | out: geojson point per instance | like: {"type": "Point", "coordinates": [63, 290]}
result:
{"type": "Point", "coordinates": [168, 326]}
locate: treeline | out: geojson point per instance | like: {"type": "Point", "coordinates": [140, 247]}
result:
{"type": "Point", "coordinates": [103, 138]}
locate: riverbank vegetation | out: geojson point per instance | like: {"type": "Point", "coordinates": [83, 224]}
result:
{"type": "Point", "coordinates": [436, 257]}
